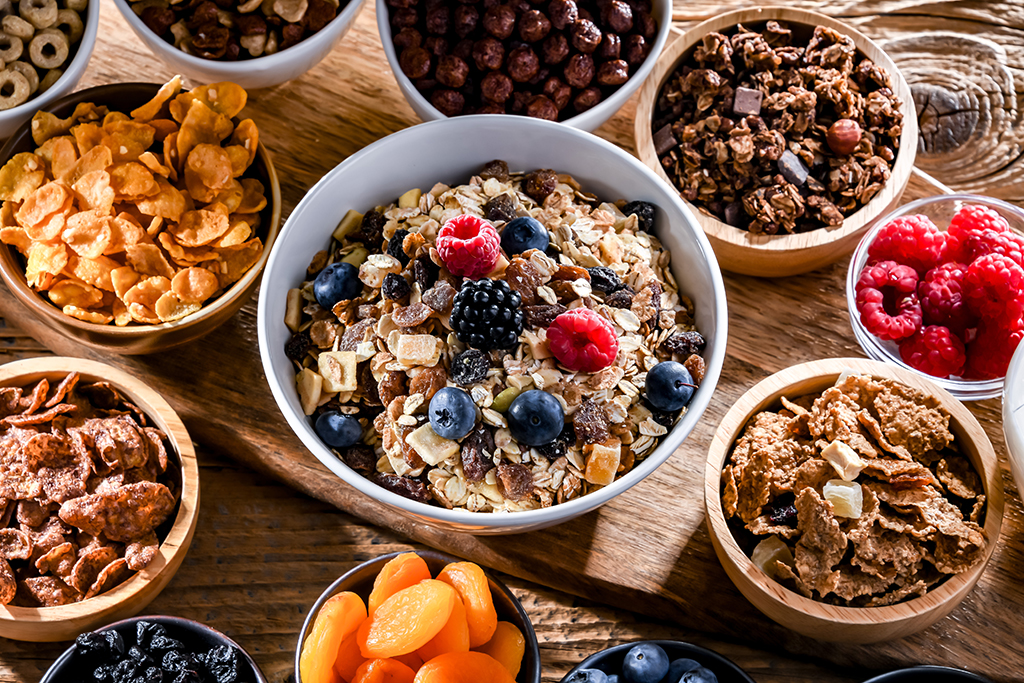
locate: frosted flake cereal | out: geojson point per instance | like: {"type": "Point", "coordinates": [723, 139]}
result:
{"type": "Point", "coordinates": [903, 514]}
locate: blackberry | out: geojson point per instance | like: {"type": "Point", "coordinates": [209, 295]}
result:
{"type": "Point", "coordinates": [395, 246]}
{"type": "Point", "coordinates": [604, 279]}
{"type": "Point", "coordinates": [644, 212]}
{"type": "Point", "coordinates": [470, 366]}
{"type": "Point", "coordinates": [486, 315]}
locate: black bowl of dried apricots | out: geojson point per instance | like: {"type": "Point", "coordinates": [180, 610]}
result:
{"type": "Point", "coordinates": [136, 217]}
{"type": "Point", "coordinates": [422, 614]}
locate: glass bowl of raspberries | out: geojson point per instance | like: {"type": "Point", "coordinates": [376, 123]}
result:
{"type": "Point", "coordinates": [938, 287]}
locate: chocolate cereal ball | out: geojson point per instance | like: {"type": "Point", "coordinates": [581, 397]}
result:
{"type": "Point", "coordinates": [563, 13]}
{"type": "Point", "coordinates": [534, 26]}
{"type": "Point", "coordinates": [540, 107]}
{"type": "Point", "coordinates": [610, 47]}
{"type": "Point", "coordinates": [617, 16]}
{"type": "Point", "coordinates": [586, 36]}
{"type": "Point", "coordinates": [500, 21]}
{"type": "Point", "coordinates": [489, 54]}
{"type": "Point", "coordinates": [448, 102]}
{"type": "Point", "coordinates": [555, 49]}
{"type": "Point", "coordinates": [523, 64]}
{"type": "Point", "coordinates": [466, 18]}
{"type": "Point", "coordinates": [579, 72]}
{"type": "Point", "coordinates": [496, 87]}
{"type": "Point", "coordinates": [452, 71]}
{"type": "Point", "coordinates": [415, 62]}
{"type": "Point", "coordinates": [612, 72]}
{"type": "Point", "coordinates": [557, 91]}
{"type": "Point", "coordinates": [588, 99]}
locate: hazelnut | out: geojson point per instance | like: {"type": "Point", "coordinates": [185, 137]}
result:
{"type": "Point", "coordinates": [843, 136]}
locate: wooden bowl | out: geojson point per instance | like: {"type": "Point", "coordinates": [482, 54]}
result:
{"type": "Point", "coordinates": [359, 580]}
{"type": "Point", "coordinates": [50, 624]}
{"type": "Point", "coordinates": [738, 250]}
{"type": "Point", "coordinates": [135, 338]}
{"type": "Point", "coordinates": [817, 619]}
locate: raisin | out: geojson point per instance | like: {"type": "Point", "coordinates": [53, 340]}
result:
{"type": "Point", "coordinates": [104, 673]}
{"type": "Point", "coordinates": [477, 450]}
{"type": "Point", "coordinates": [371, 230]}
{"type": "Point", "coordinates": [644, 213]}
{"type": "Point", "coordinates": [516, 480]}
{"type": "Point", "coordinates": [556, 449]}
{"type": "Point", "coordinates": [440, 297]}
{"type": "Point", "coordinates": [470, 367]}
{"type": "Point", "coordinates": [412, 315]}
{"type": "Point", "coordinates": [360, 458]}
{"type": "Point", "coordinates": [98, 646]}
{"type": "Point", "coordinates": [570, 273]}
{"type": "Point", "coordinates": [590, 422]}
{"type": "Point", "coordinates": [500, 208]}
{"type": "Point", "coordinates": [125, 671]}
{"type": "Point", "coordinates": [187, 676]}
{"type": "Point", "coordinates": [395, 246]}
{"type": "Point", "coordinates": [413, 489]}
{"type": "Point", "coordinates": [141, 657]}
{"type": "Point", "coordinates": [540, 184]}
{"type": "Point", "coordinates": [425, 271]}
{"type": "Point", "coordinates": [696, 366]}
{"type": "Point", "coordinates": [368, 386]}
{"type": "Point", "coordinates": [620, 298]}
{"type": "Point", "coordinates": [496, 169]}
{"type": "Point", "coordinates": [542, 315]}
{"type": "Point", "coordinates": [784, 515]}
{"type": "Point", "coordinates": [395, 287]}
{"type": "Point", "coordinates": [150, 674]}
{"type": "Point", "coordinates": [355, 334]}
{"type": "Point", "coordinates": [428, 381]}
{"type": "Point", "coordinates": [604, 279]}
{"type": "Point", "coordinates": [222, 663]}
{"type": "Point", "coordinates": [391, 385]}
{"type": "Point", "coordinates": [178, 661]}
{"type": "Point", "coordinates": [684, 343]}
{"type": "Point", "coordinates": [409, 454]}
{"type": "Point", "coordinates": [161, 644]}
{"type": "Point", "coordinates": [904, 482]}
{"type": "Point", "coordinates": [523, 277]}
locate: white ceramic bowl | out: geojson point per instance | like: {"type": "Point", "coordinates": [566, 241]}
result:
{"type": "Point", "coordinates": [1013, 415]}
{"type": "Point", "coordinates": [261, 72]}
{"type": "Point", "coordinates": [452, 150]}
{"type": "Point", "coordinates": [11, 119]}
{"type": "Point", "coordinates": [588, 120]}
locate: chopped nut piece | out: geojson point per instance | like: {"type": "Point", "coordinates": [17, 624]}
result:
{"type": "Point", "coordinates": [310, 385]}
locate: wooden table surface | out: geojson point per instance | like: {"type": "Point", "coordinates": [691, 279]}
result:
{"type": "Point", "coordinates": [264, 552]}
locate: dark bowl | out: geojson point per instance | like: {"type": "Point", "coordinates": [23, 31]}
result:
{"type": "Point", "coordinates": [928, 674]}
{"type": "Point", "coordinates": [359, 580]}
{"type": "Point", "coordinates": [191, 633]}
{"type": "Point", "coordinates": [136, 338]}
{"type": "Point", "coordinates": [610, 660]}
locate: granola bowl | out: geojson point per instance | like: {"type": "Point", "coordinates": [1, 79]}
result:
{"type": "Point", "coordinates": [769, 253]}
{"type": "Point", "coordinates": [130, 596]}
{"type": "Point", "coordinates": [839, 622]}
{"type": "Point", "coordinates": [360, 580]}
{"type": "Point", "coordinates": [369, 179]}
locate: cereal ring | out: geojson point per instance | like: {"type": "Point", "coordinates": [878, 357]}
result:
{"type": "Point", "coordinates": [10, 48]}
{"type": "Point", "coordinates": [76, 5]}
{"type": "Point", "coordinates": [14, 89]}
{"type": "Point", "coordinates": [6, 8]}
{"type": "Point", "coordinates": [69, 21]}
{"type": "Point", "coordinates": [28, 71]}
{"type": "Point", "coordinates": [39, 13]}
{"type": "Point", "coordinates": [48, 50]}
{"type": "Point", "coordinates": [13, 25]}
{"type": "Point", "coordinates": [51, 77]}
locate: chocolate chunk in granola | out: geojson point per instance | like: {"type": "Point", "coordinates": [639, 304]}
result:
{"type": "Point", "coordinates": [371, 230]}
{"type": "Point", "coordinates": [440, 297]}
{"type": "Point", "coordinates": [515, 480]}
{"type": "Point", "coordinates": [590, 422]}
{"type": "Point", "coordinates": [604, 279]}
{"type": "Point", "coordinates": [298, 346]}
{"type": "Point", "coordinates": [413, 489]}
{"type": "Point", "coordinates": [395, 287]}
{"type": "Point", "coordinates": [496, 169]}
{"type": "Point", "coordinates": [620, 298]}
{"type": "Point", "coordinates": [793, 169]}
{"type": "Point", "coordinates": [684, 343]}
{"type": "Point", "coordinates": [539, 184]}
{"type": "Point", "coordinates": [664, 141]}
{"type": "Point", "coordinates": [477, 451]}
{"type": "Point", "coordinates": [470, 367]}
{"type": "Point", "coordinates": [395, 246]}
{"type": "Point", "coordinates": [747, 102]}
{"type": "Point", "coordinates": [500, 208]}
{"type": "Point", "coordinates": [425, 271]}
{"type": "Point", "coordinates": [542, 315]}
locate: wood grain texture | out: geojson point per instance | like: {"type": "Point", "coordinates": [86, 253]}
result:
{"type": "Point", "coordinates": [648, 550]}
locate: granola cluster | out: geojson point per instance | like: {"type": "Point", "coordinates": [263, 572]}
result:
{"type": "Point", "coordinates": [857, 496]}
{"type": "Point", "coordinates": [384, 354]}
{"type": "Point", "coordinates": [775, 131]}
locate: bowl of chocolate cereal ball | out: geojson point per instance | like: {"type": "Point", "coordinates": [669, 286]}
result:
{"type": "Point", "coordinates": [575, 61]}
{"type": "Point", "coordinates": [788, 132]}
{"type": "Point", "coordinates": [496, 339]}
{"type": "Point", "coordinates": [852, 501]}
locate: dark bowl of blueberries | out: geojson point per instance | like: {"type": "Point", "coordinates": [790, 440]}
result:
{"type": "Point", "coordinates": [656, 661]}
{"type": "Point", "coordinates": [154, 649]}
{"type": "Point", "coordinates": [929, 674]}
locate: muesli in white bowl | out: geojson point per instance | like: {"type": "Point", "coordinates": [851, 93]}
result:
{"type": "Point", "coordinates": [507, 344]}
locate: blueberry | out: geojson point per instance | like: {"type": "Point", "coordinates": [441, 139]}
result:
{"type": "Point", "coordinates": [337, 430]}
{"type": "Point", "coordinates": [669, 386]}
{"type": "Point", "coordinates": [645, 663]}
{"type": "Point", "coordinates": [522, 234]}
{"type": "Point", "coordinates": [699, 675]}
{"type": "Point", "coordinates": [452, 413]}
{"type": "Point", "coordinates": [535, 418]}
{"type": "Point", "coordinates": [588, 676]}
{"type": "Point", "coordinates": [614, 678]}
{"type": "Point", "coordinates": [678, 668]}
{"type": "Point", "coordinates": [337, 282]}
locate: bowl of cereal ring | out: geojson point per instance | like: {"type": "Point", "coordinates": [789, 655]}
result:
{"type": "Point", "coordinates": [157, 233]}
{"type": "Point", "coordinates": [788, 132]}
{"type": "Point", "coordinates": [575, 61]}
{"type": "Point", "coordinates": [853, 501]}
{"type": "Point", "coordinates": [255, 43]}
{"type": "Point", "coordinates": [101, 496]}
{"type": "Point", "coordinates": [497, 339]}
{"type": "Point", "coordinates": [45, 46]}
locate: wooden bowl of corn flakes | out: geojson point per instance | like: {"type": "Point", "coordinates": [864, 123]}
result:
{"type": "Point", "coordinates": [851, 500]}
{"type": "Point", "coordinates": [107, 213]}
{"type": "Point", "coordinates": [82, 549]}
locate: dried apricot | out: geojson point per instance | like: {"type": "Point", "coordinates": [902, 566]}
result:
{"type": "Point", "coordinates": [407, 620]}
{"type": "Point", "coordinates": [337, 620]}
{"type": "Point", "coordinates": [463, 667]}
{"type": "Point", "coordinates": [403, 571]}
{"type": "Point", "coordinates": [349, 658]}
{"type": "Point", "coordinates": [454, 637]}
{"type": "Point", "coordinates": [384, 671]}
{"type": "Point", "coordinates": [411, 660]}
{"type": "Point", "coordinates": [507, 646]}
{"type": "Point", "coordinates": [472, 585]}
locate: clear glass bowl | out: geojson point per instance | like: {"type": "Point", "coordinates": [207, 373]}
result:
{"type": "Point", "coordinates": [940, 209]}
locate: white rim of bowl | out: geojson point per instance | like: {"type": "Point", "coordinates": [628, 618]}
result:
{"type": "Point", "coordinates": [619, 97]}
{"type": "Point", "coordinates": [964, 390]}
{"type": "Point", "coordinates": [242, 66]}
{"type": "Point", "coordinates": [1013, 408]}
{"type": "Point", "coordinates": [556, 513]}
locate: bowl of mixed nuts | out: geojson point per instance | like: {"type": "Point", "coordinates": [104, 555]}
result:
{"type": "Point", "coordinates": [482, 342]}
{"type": "Point", "coordinates": [789, 133]}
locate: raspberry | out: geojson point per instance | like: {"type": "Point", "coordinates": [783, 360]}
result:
{"type": "Point", "coordinates": [988, 356]}
{"type": "Point", "coordinates": [970, 230]}
{"type": "Point", "coordinates": [911, 240]}
{"type": "Point", "coordinates": [942, 298]}
{"type": "Point", "coordinates": [994, 288]}
{"type": "Point", "coordinates": [582, 340]}
{"type": "Point", "coordinates": [887, 301]}
{"type": "Point", "coordinates": [934, 351]}
{"type": "Point", "coordinates": [469, 246]}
